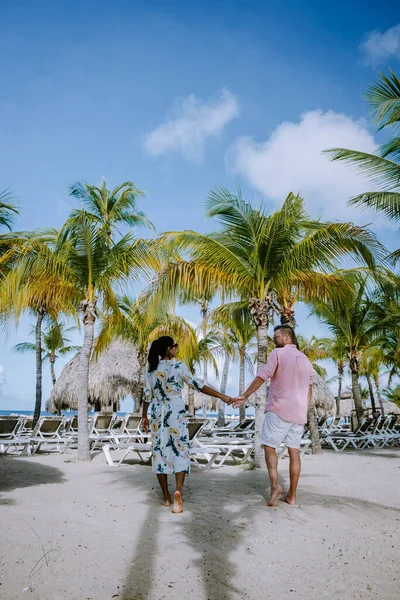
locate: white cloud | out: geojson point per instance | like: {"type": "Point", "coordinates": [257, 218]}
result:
{"type": "Point", "coordinates": [193, 122]}
{"type": "Point", "coordinates": [291, 159]}
{"type": "Point", "coordinates": [379, 46]}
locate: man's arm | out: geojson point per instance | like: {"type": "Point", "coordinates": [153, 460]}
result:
{"type": "Point", "coordinates": [266, 373]}
{"type": "Point", "coordinates": [253, 387]}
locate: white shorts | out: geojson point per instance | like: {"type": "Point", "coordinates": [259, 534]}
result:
{"type": "Point", "coordinates": [275, 431]}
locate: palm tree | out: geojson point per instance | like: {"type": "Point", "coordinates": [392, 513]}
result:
{"type": "Point", "coordinates": [315, 349]}
{"type": "Point", "coordinates": [24, 288]}
{"type": "Point", "coordinates": [8, 210]}
{"type": "Point", "coordinates": [55, 344]}
{"type": "Point", "coordinates": [350, 319]}
{"type": "Point", "coordinates": [258, 257]}
{"type": "Point", "coordinates": [383, 168]}
{"type": "Point", "coordinates": [240, 336]}
{"type": "Point", "coordinates": [393, 394]}
{"type": "Point", "coordinates": [140, 322]}
{"type": "Point", "coordinates": [336, 351]}
{"type": "Point", "coordinates": [109, 209]}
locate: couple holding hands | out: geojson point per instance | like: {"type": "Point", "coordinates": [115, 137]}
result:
{"type": "Point", "coordinates": [290, 374]}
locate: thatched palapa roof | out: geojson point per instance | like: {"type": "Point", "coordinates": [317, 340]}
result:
{"type": "Point", "coordinates": [112, 375]}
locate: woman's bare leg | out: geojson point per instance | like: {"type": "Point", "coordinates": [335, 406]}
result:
{"type": "Point", "coordinates": [178, 506]}
{"type": "Point", "coordinates": [163, 481]}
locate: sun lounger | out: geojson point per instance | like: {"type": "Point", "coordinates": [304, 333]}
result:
{"type": "Point", "coordinates": [46, 431]}
{"type": "Point", "coordinates": [10, 436]}
{"type": "Point", "coordinates": [357, 440]}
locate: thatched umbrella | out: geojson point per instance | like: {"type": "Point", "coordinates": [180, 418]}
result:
{"type": "Point", "coordinates": [112, 376]}
{"type": "Point", "coordinates": [322, 397]}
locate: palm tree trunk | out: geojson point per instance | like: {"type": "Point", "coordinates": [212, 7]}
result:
{"type": "Point", "coordinates": [52, 370]}
{"type": "Point", "coordinates": [371, 392]}
{"type": "Point", "coordinates": [38, 399]}
{"type": "Point", "coordinates": [262, 348]}
{"type": "Point", "coordinates": [242, 409]}
{"type": "Point", "coordinates": [224, 382]}
{"type": "Point", "coordinates": [205, 378]}
{"type": "Point", "coordinates": [142, 359]}
{"type": "Point", "coordinates": [89, 317]}
{"type": "Point", "coordinates": [339, 396]}
{"type": "Point", "coordinates": [191, 401]}
{"type": "Point", "coordinates": [313, 427]}
{"type": "Point", "coordinates": [357, 395]}
{"type": "Point", "coordinates": [378, 393]}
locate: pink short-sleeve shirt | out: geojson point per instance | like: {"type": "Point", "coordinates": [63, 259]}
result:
{"type": "Point", "coordinates": [291, 375]}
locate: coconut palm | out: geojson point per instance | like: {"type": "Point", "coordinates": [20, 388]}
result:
{"type": "Point", "coordinates": [241, 337]}
{"type": "Point", "coordinates": [140, 322]}
{"type": "Point", "coordinates": [8, 210]}
{"type": "Point", "coordinates": [55, 343]}
{"type": "Point", "coordinates": [24, 289]}
{"type": "Point", "coordinates": [315, 349]}
{"type": "Point", "coordinates": [350, 319]}
{"type": "Point", "coordinates": [382, 168]}
{"type": "Point", "coordinates": [393, 394]}
{"type": "Point", "coordinates": [258, 257]}
{"type": "Point", "coordinates": [109, 209]}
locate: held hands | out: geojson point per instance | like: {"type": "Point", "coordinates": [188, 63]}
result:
{"type": "Point", "coordinates": [227, 399]}
{"type": "Point", "coordinates": [145, 424]}
{"type": "Point", "coordinates": [238, 401]}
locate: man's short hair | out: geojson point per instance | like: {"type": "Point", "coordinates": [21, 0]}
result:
{"type": "Point", "coordinates": [287, 330]}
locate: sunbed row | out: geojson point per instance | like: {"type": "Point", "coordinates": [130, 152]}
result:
{"type": "Point", "coordinates": [372, 432]}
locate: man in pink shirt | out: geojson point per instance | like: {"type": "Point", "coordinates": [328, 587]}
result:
{"type": "Point", "coordinates": [289, 397]}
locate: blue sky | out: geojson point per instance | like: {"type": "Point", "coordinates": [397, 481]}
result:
{"type": "Point", "coordinates": [178, 97]}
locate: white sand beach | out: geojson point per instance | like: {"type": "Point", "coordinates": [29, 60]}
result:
{"type": "Point", "coordinates": [92, 532]}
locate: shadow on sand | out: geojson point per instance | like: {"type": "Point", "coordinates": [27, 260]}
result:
{"type": "Point", "coordinates": [210, 529]}
{"type": "Point", "coordinates": [18, 473]}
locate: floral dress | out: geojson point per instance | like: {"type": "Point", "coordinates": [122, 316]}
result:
{"type": "Point", "coordinates": [167, 416]}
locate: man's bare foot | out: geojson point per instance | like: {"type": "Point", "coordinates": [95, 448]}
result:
{"type": "Point", "coordinates": [167, 501]}
{"type": "Point", "coordinates": [289, 500]}
{"type": "Point", "coordinates": [275, 493]}
{"type": "Point", "coordinates": [178, 506]}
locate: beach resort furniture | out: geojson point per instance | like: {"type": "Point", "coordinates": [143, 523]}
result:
{"type": "Point", "coordinates": [357, 440]}
{"type": "Point", "coordinates": [10, 433]}
{"type": "Point", "coordinates": [47, 431]}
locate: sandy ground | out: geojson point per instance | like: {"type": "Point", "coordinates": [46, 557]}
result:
{"type": "Point", "coordinates": [92, 532]}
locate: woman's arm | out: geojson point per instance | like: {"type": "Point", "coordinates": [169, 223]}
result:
{"type": "Point", "coordinates": [215, 394]}
{"type": "Point", "coordinates": [145, 418]}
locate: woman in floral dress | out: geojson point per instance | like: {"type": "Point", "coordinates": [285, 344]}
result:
{"type": "Point", "coordinates": [168, 422]}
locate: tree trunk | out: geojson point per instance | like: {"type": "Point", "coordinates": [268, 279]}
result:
{"type": "Point", "coordinates": [52, 370]}
{"type": "Point", "coordinates": [357, 395]}
{"type": "Point", "coordinates": [191, 401]}
{"type": "Point", "coordinates": [142, 359]}
{"type": "Point", "coordinates": [89, 312]}
{"type": "Point", "coordinates": [242, 409]}
{"type": "Point", "coordinates": [38, 399]}
{"type": "Point", "coordinates": [224, 382]}
{"type": "Point", "coordinates": [339, 396]}
{"type": "Point", "coordinates": [378, 393]}
{"type": "Point", "coordinates": [260, 396]}
{"type": "Point", "coordinates": [204, 401]}
{"type": "Point", "coordinates": [313, 427]}
{"type": "Point", "coordinates": [371, 393]}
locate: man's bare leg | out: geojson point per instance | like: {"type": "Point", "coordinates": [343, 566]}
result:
{"type": "Point", "coordinates": [178, 505]}
{"type": "Point", "coordinates": [163, 481]}
{"type": "Point", "coordinates": [271, 459]}
{"type": "Point", "coordinates": [294, 471]}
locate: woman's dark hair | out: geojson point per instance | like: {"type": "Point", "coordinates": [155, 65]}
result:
{"type": "Point", "coordinates": [158, 349]}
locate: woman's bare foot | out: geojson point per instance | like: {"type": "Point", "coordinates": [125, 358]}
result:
{"type": "Point", "coordinates": [289, 500]}
{"type": "Point", "coordinates": [178, 505]}
{"type": "Point", "coordinates": [167, 501]}
{"type": "Point", "coordinates": [275, 493]}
